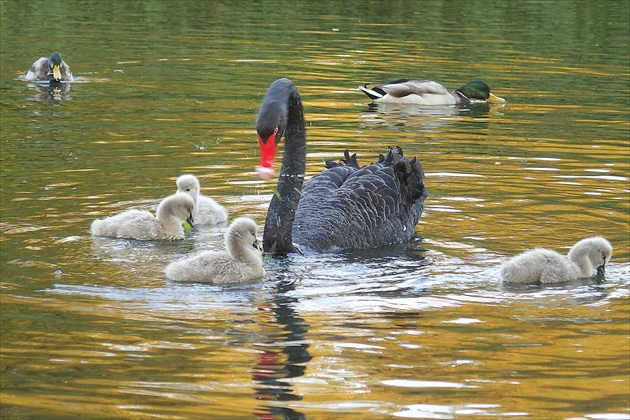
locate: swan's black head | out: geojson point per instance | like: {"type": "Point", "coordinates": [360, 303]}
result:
{"type": "Point", "coordinates": [271, 124]}
{"type": "Point", "coordinates": [54, 64]}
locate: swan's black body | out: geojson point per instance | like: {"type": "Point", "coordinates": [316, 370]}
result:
{"type": "Point", "coordinates": [345, 206]}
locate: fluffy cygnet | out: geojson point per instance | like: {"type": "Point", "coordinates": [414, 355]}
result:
{"type": "Point", "coordinates": [207, 211]}
{"type": "Point", "coordinates": [172, 212]}
{"type": "Point", "coordinates": [241, 261]}
{"type": "Point", "coordinates": [547, 266]}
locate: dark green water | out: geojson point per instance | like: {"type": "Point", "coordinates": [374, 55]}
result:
{"type": "Point", "coordinates": [92, 327]}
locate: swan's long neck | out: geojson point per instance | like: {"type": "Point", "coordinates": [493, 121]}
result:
{"type": "Point", "coordinates": [580, 257]}
{"type": "Point", "coordinates": [241, 251]}
{"type": "Point", "coordinates": [279, 223]}
{"type": "Point", "coordinates": [171, 224]}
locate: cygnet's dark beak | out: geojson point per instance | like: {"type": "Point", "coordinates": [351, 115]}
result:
{"type": "Point", "coordinates": [257, 245]}
{"type": "Point", "coordinates": [190, 220]}
{"type": "Point", "coordinates": [601, 270]}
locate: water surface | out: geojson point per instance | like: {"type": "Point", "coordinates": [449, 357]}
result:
{"type": "Point", "coordinates": [92, 327]}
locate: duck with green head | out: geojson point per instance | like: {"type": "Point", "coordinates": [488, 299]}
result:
{"type": "Point", "coordinates": [427, 92]}
{"type": "Point", "coordinates": [52, 69]}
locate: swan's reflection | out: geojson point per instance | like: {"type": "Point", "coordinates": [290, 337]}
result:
{"type": "Point", "coordinates": [284, 353]}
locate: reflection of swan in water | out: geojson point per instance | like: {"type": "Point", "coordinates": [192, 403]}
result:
{"type": "Point", "coordinates": [142, 225]}
{"type": "Point", "coordinates": [241, 260]}
{"type": "Point", "coordinates": [547, 266]}
{"type": "Point", "coordinates": [283, 354]}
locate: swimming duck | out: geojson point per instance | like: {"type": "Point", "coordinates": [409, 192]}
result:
{"type": "Point", "coordinates": [207, 210]}
{"type": "Point", "coordinates": [427, 92]}
{"type": "Point", "coordinates": [52, 69]}
{"type": "Point", "coordinates": [547, 266]}
{"type": "Point", "coordinates": [240, 261]}
{"type": "Point", "coordinates": [144, 226]}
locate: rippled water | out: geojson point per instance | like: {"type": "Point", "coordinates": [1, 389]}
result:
{"type": "Point", "coordinates": [92, 327]}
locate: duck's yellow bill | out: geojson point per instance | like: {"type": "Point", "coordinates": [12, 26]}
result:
{"type": "Point", "coordinates": [57, 72]}
{"type": "Point", "coordinates": [495, 98]}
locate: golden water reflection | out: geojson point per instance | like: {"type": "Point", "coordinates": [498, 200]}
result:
{"type": "Point", "coordinates": [92, 327]}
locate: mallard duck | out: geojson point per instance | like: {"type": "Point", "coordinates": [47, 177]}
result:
{"type": "Point", "coordinates": [51, 68]}
{"type": "Point", "coordinates": [427, 92]}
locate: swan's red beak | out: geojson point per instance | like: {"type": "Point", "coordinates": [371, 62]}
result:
{"type": "Point", "coordinates": [267, 156]}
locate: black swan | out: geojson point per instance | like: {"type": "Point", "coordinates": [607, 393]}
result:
{"type": "Point", "coordinates": [342, 208]}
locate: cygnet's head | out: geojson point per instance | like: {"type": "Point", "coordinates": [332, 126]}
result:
{"type": "Point", "coordinates": [597, 250]}
{"type": "Point", "coordinates": [188, 184]}
{"type": "Point", "coordinates": [179, 205]}
{"type": "Point", "coordinates": [241, 235]}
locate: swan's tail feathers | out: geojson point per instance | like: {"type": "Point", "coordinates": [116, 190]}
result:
{"type": "Point", "coordinates": [371, 93]}
{"type": "Point", "coordinates": [415, 163]}
{"type": "Point", "coordinates": [350, 160]}
{"type": "Point", "coordinates": [347, 160]}
{"type": "Point", "coordinates": [415, 181]}
{"type": "Point", "coordinates": [409, 171]}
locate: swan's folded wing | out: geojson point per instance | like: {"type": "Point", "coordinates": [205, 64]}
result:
{"type": "Point", "coordinates": [365, 211]}
{"type": "Point", "coordinates": [332, 178]}
{"type": "Point", "coordinates": [206, 267]}
{"type": "Point", "coordinates": [208, 211]}
{"type": "Point", "coordinates": [133, 224]}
